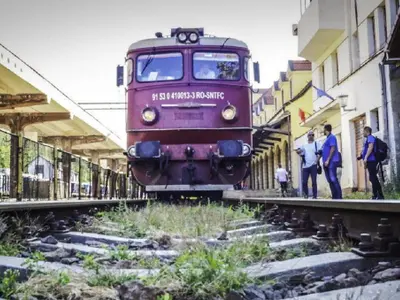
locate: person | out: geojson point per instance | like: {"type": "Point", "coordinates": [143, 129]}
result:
{"type": "Point", "coordinates": [205, 72]}
{"type": "Point", "coordinates": [371, 163]}
{"type": "Point", "coordinates": [281, 176]}
{"type": "Point", "coordinates": [310, 157]}
{"type": "Point", "coordinates": [331, 162]}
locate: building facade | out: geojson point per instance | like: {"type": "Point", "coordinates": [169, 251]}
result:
{"type": "Point", "coordinates": [277, 120]}
{"type": "Point", "coordinates": [345, 41]}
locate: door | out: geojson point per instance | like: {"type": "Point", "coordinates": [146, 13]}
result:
{"type": "Point", "coordinates": [359, 125]}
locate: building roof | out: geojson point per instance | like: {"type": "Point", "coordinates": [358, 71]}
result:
{"type": "Point", "coordinates": [282, 76]}
{"type": "Point", "coordinates": [276, 85]}
{"type": "Point", "coordinates": [204, 41]}
{"type": "Point", "coordinates": [265, 95]}
{"type": "Point", "coordinates": [299, 65]}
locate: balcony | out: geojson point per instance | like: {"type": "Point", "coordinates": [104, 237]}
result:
{"type": "Point", "coordinates": [321, 24]}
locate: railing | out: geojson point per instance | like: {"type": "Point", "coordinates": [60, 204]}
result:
{"type": "Point", "coordinates": [43, 172]}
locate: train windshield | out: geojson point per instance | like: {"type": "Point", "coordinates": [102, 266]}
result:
{"type": "Point", "coordinates": [216, 66]}
{"type": "Point", "coordinates": [159, 67]}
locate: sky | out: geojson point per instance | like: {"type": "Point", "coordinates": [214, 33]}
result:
{"type": "Point", "coordinates": [77, 44]}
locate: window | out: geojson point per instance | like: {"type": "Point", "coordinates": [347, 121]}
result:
{"type": "Point", "coordinates": [246, 68]}
{"type": "Point", "coordinates": [216, 66]}
{"type": "Point", "coordinates": [283, 97]}
{"type": "Point", "coordinates": [371, 35]}
{"type": "Point", "coordinates": [335, 68]}
{"type": "Point", "coordinates": [129, 71]}
{"type": "Point", "coordinates": [356, 52]}
{"type": "Point", "coordinates": [322, 77]}
{"type": "Point", "coordinates": [39, 169]}
{"type": "Point", "coordinates": [375, 120]}
{"type": "Point", "coordinates": [159, 67]}
{"type": "Point", "coordinates": [276, 103]}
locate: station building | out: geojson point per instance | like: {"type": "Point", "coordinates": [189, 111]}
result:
{"type": "Point", "coordinates": [345, 40]}
{"type": "Point", "coordinates": [277, 119]}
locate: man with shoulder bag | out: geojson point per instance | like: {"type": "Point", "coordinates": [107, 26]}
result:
{"type": "Point", "coordinates": [310, 154]}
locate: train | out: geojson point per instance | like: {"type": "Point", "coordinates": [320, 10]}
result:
{"type": "Point", "coordinates": [189, 113]}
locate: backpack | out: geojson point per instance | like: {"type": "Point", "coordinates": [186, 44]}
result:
{"type": "Point", "coordinates": [380, 150]}
{"type": "Point", "coordinates": [340, 163]}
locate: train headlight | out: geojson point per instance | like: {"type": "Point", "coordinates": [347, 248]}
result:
{"type": "Point", "coordinates": [132, 151]}
{"type": "Point", "coordinates": [149, 115]}
{"type": "Point", "coordinates": [246, 150]}
{"type": "Point", "coordinates": [182, 37]}
{"type": "Point", "coordinates": [193, 37]}
{"type": "Point", "coordinates": [229, 113]}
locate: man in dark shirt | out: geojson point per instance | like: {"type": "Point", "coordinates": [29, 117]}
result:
{"type": "Point", "coordinates": [331, 160]}
{"type": "Point", "coordinates": [370, 163]}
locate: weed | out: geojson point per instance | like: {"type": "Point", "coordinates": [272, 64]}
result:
{"type": "Point", "coordinates": [204, 272]}
{"type": "Point", "coordinates": [32, 263]}
{"type": "Point", "coordinates": [89, 262]}
{"type": "Point", "coordinates": [186, 221]}
{"type": "Point", "coordinates": [109, 279]}
{"type": "Point", "coordinates": [8, 285]}
{"type": "Point", "coordinates": [8, 249]}
{"type": "Point", "coordinates": [121, 253]}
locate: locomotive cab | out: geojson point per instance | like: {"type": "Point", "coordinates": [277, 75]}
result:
{"type": "Point", "coordinates": [189, 118]}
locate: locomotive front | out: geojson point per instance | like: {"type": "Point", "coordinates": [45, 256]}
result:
{"type": "Point", "coordinates": [189, 123]}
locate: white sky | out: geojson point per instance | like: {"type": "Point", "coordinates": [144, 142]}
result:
{"type": "Point", "coordinates": [77, 44]}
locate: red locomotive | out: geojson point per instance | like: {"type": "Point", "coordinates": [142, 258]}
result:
{"type": "Point", "coordinates": [189, 118]}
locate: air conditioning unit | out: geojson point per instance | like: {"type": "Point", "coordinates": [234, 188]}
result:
{"type": "Point", "coordinates": [295, 29]}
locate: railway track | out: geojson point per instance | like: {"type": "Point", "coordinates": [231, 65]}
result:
{"type": "Point", "coordinates": [306, 260]}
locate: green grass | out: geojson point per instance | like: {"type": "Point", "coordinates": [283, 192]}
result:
{"type": "Point", "coordinates": [157, 219]}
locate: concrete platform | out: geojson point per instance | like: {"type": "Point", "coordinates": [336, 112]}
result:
{"type": "Point", "coordinates": [381, 291]}
{"type": "Point", "coordinates": [70, 203]}
{"type": "Point", "coordinates": [390, 206]}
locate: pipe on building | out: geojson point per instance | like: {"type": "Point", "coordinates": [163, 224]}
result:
{"type": "Point", "coordinates": [385, 103]}
{"type": "Point", "coordinates": [347, 11]}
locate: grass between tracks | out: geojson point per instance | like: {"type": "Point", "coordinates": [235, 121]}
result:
{"type": "Point", "coordinates": [198, 273]}
{"type": "Point", "coordinates": [157, 219]}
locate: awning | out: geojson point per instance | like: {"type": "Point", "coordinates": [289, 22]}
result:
{"type": "Point", "coordinates": [393, 46]}
{"type": "Point", "coordinates": [322, 115]}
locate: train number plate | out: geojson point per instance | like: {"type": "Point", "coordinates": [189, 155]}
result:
{"type": "Point", "coordinates": [188, 116]}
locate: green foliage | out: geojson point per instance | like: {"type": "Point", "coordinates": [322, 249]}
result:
{"type": "Point", "coordinates": [89, 262]}
{"type": "Point", "coordinates": [9, 249]}
{"type": "Point", "coordinates": [8, 285]}
{"type": "Point", "coordinates": [110, 279]}
{"type": "Point", "coordinates": [205, 272]}
{"type": "Point", "coordinates": [186, 221]}
{"type": "Point", "coordinates": [63, 278]}
{"type": "Point", "coordinates": [5, 149]}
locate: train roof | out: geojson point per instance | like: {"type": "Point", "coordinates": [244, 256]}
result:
{"type": "Point", "coordinates": [172, 41]}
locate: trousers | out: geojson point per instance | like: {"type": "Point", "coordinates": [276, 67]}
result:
{"type": "Point", "coordinates": [331, 177]}
{"type": "Point", "coordinates": [307, 172]}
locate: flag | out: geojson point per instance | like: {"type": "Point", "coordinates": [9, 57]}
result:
{"type": "Point", "coordinates": [321, 93]}
{"type": "Point", "coordinates": [302, 115]}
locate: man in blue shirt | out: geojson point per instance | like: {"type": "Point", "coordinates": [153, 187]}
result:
{"type": "Point", "coordinates": [331, 161]}
{"type": "Point", "coordinates": [370, 163]}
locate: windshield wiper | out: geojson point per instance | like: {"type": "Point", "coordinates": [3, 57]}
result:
{"type": "Point", "coordinates": [148, 62]}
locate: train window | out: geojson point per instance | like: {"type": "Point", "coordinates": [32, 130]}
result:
{"type": "Point", "coordinates": [129, 71]}
{"type": "Point", "coordinates": [159, 67]}
{"type": "Point", "coordinates": [246, 68]}
{"type": "Point", "coordinates": [216, 66]}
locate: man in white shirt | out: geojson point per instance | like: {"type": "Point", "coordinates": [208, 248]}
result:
{"type": "Point", "coordinates": [310, 160]}
{"type": "Point", "coordinates": [205, 73]}
{"type": "Point", "coordinates": [281, 176]}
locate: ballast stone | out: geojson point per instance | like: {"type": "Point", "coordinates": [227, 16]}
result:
{"type": "Point", "coordinates": [382, 291]}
